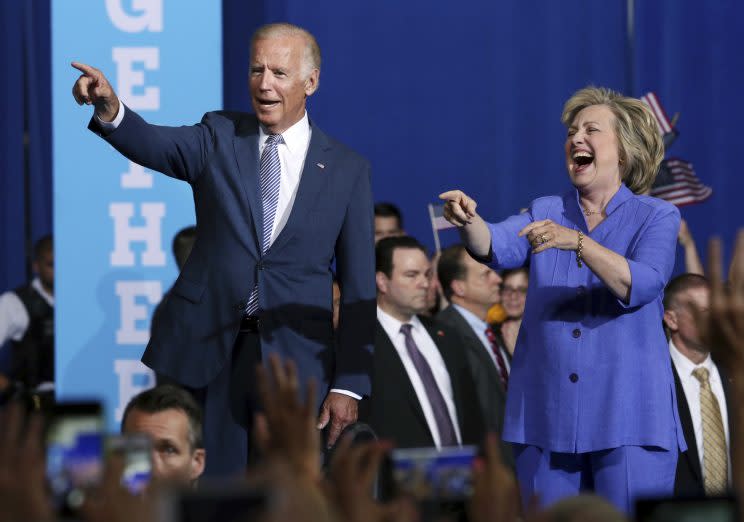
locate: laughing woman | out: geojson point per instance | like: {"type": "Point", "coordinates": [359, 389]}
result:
{"type": "Point", "coordinates": [591, 402]}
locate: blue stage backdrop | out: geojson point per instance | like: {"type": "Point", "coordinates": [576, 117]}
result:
{"type": "Point", "coordinates": [114, 220]}
{"type": "Point", "coordinates": [442, 94]}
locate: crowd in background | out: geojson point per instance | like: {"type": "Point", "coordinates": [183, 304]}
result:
{"type": "Point", "coordinates": [450, 294]}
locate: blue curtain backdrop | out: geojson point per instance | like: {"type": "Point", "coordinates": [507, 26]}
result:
{"type": "Point", "coordinates": [25, 171]}
{"type": "Point", "coordinates": [692, 55]}
{"type": "Point", "coordinates": [439, 95]}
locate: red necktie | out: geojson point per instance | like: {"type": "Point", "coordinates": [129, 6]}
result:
{"type": "Point", "coordinates": [500, 362]}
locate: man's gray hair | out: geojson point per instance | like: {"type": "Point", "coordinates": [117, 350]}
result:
{"type": "Point", "coordinates": [311, 59]}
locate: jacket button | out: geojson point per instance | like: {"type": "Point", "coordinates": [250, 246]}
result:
{"type": "Point", "coordinates": [576, 333]}
{"type": "Point", "coordinates": [573, 377]}
{"type": "Point", "coordinates": [260, 265]}
{"type": "Point", "coordinates": [581, 290]}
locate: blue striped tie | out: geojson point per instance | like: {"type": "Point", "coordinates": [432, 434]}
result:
{"type": "Point", "coordinates": [270, 173]}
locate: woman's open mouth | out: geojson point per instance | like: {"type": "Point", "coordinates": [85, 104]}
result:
{"type": "Point", "coordinates": [582, 159]}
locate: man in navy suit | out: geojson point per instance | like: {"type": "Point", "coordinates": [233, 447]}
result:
{"type": "Point", "coordinates": [276, 202]}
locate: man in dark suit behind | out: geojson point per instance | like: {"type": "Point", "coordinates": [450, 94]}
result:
{"type": "Point", "coordinates": [422, 390]}
{"type": "Point", "coordinates": [276, 201]}
{"type": "Point", "coordinates": [704, 468]}
{"type": "Point", "coordinates": [472, 288]}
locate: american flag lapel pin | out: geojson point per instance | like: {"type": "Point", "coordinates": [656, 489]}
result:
{"type": "Point", "coordinates": [321, 165]}
{"type": "Point", "coordinates": [440, 333]}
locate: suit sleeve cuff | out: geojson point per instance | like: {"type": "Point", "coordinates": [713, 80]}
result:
{"type": "Point", "coordinates": [487, 259]}
{"type": "Point", "coordinates": [348, 393]}
{"type": "Point", "coordinates": [110, 126]}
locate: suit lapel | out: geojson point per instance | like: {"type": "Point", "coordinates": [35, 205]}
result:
{"type": "Point", "coordinates": [474, 344]}
{"type": "Point", "coordinates": [397, 373]}
{"type": "Point", "coordinates": [312, 181]}
{"type": "Point", "coordinates": [245, 145]}
{"type": "Point", "coordinates": [727, 396]}
{"type": "Point", "coordinates": [687, 428]}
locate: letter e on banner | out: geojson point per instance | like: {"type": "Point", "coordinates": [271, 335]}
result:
{"type": "Point", "coordinates": [130, 311]}
{"type": "Point", "coordinates": [130, 371]}
{"type": "Point", "coordinates": [128, 78]}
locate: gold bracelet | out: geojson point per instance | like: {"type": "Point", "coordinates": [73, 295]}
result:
{"type": "Point", "coordinates": [579, 250]}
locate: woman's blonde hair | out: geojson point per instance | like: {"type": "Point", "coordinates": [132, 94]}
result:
{"type": "Point", "coordinates": [641, 148]}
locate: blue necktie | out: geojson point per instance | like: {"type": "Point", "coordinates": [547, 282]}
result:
{"type": "Point", "coordinates": [270, 174]}
{"type": "Point", "coordinates": [442, 417]}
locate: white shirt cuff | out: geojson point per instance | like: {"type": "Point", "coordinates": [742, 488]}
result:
{"type": "Point", "coordinates": [348, 393]}
{"type": "Point", "coordinates": [110, 126]}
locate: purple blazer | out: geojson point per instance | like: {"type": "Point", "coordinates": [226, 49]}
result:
{"type": "Point", "coordinates": [591, 372]}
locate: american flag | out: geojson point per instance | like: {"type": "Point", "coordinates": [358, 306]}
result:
{"type": "Point", "coordinates": [436, 213]}
{"type": "Point", "coordinates": [678, 184]}
{"type": "Point", "coordinates": [676, 181]}
{"type": "Point", "coordinates": [666, 126]}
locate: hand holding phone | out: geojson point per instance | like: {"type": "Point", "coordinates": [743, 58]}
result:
{"type": "Point", "coordinates": [136, 449]}
{"type": "Point", "coordinates": [74, 442]}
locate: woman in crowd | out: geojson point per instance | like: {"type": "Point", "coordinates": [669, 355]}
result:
{"type": "Point", "coordinates": [513, 298]}
{"type": "Point", "coordinates": [591, 403]}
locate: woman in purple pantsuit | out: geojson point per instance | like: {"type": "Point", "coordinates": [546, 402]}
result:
{"type": "Point", "coordinates": [591, 402]}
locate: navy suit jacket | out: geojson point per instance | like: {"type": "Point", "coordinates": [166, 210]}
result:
{"type": "Point", "coordinates": [491, 394]}
{"type": "Point", "coordinates": [332, 218]}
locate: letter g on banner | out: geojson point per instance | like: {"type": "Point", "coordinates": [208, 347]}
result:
{"type": "Point", "coordinates": [150, 18]}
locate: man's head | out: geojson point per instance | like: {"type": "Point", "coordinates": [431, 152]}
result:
{"type": "Point", "coordinates": [685, 297]}
{"type": "Point", "coordinates": [284, 71]}
{"type": "Point", "coordinates": [183, 242]}
{"type": "Point", "coordinates": [173, 419]}
{"type": "Point", "coordinates": [403, 276]}
{"type": "Point", "coordinates": [43, 263]}
{"type": "Point", "coordinates": [388, 221]}
{"type": "Point", "coordinates": [466, 282]}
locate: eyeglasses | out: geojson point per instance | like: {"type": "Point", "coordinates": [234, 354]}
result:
{"type": "Point", "coordinates": [514, 290]}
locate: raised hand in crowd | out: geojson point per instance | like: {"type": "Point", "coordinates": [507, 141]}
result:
{"type": "Point", "coordinates": [353, 472]}
{"type": "Point", "coordinates": [286, 428]}
{"type": "Point", "coordinates": [92, 88]}
{"type": "Point", "coordinates": [23, 493]}
{"type": "Point", "coordinates": [723, 329]}
{"type": "Point", "coordinates": [112, 501]}
{"type": "Point", "coordinates": [724, 325]}
{"type": "Point", "coordinates": [495, 490]}
{"type": "Point", "coordinates": [693, 265]}
{"type": "Point", "coordinates": [289, 441]}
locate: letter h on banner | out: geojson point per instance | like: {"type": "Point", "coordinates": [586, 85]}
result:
{"type": "Point", "coordinates": [149, 233]}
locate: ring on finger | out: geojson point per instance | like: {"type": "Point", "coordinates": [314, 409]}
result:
{"type": "Point", "coordinates": [543, 239]}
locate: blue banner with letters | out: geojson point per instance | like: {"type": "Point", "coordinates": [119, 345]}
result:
{"type": "Point", "coordinates": [113, 220]}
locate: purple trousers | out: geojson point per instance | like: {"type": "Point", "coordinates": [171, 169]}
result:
{"type": "Point", "coordinates": [620, 475]}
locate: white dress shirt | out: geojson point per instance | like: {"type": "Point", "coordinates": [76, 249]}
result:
{"type": "Point", "coordinates": [479, 327]}
{"type": "Point", "coordinates": [14, 318]}
{"type": "Point", "coordinates": [430, 352]}
{"type": "Point", "coordinates": [691, 386]}
{"type": "Point", "coordinates": [292, 158]}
